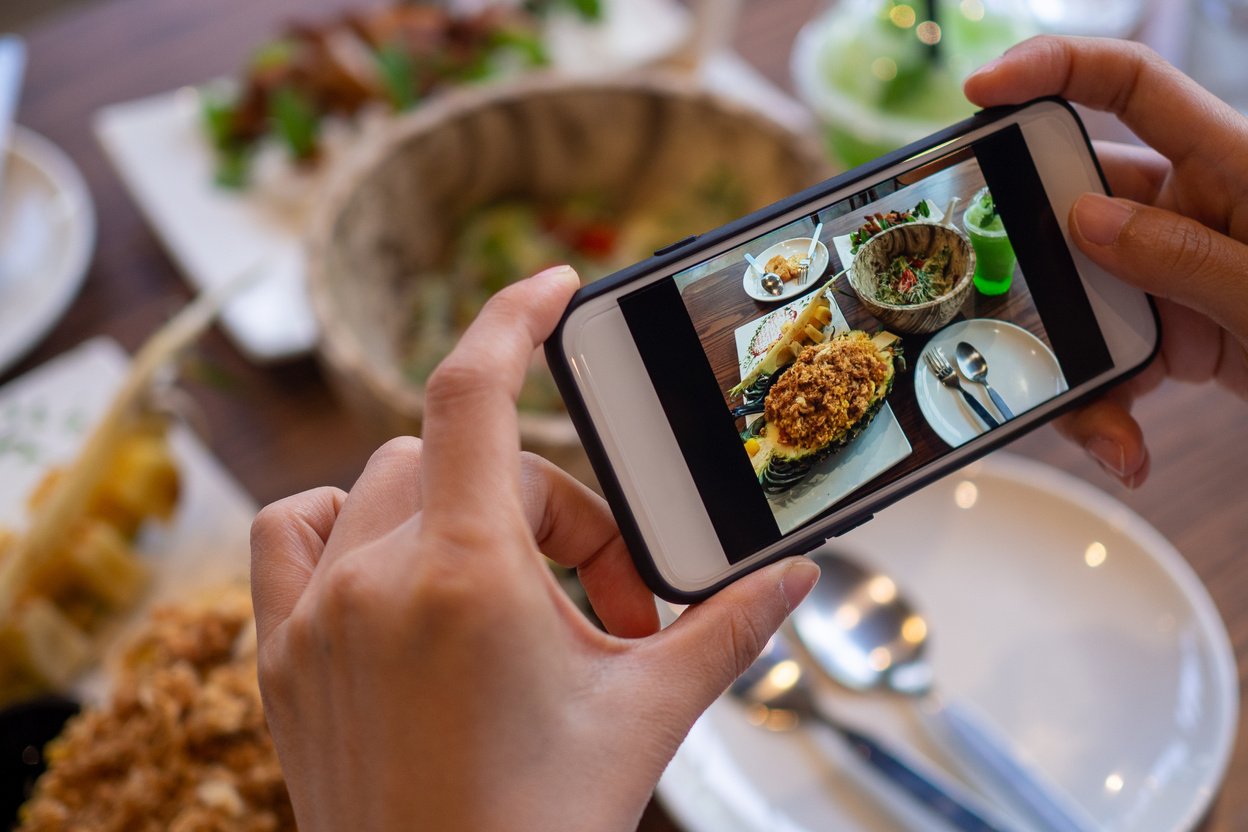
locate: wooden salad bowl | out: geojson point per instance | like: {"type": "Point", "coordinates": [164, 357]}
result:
{"type": "Point", "coordinates": [915, 239]}
{"type": "Point", "coordinates": [392, 207]}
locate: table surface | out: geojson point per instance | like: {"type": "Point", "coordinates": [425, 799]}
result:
{"type": "Point", "coordinates": [279, 430]}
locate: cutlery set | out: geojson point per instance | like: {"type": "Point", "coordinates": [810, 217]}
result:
{"type": "Point", "coordinates": [974, 367]}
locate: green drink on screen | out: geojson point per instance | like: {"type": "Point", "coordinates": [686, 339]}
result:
{"type": "Point", "coordinates": [994, 256]}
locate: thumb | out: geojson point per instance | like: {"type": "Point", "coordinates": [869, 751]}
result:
{"type": "Point", "coordinates": [1167, 255]}
{"type": "Point", "coordinates": [713, 642]}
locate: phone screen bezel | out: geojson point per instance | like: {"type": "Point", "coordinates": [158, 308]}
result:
{"type": "Point", "coordinates": [669, 534]}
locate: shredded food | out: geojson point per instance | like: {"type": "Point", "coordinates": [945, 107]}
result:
{"type": "Point", "coordinates": [183, 746]}
{"type": "Point", "coordinates": [827, 390]}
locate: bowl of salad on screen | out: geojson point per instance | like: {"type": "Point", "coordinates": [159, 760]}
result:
{"type": "Point", "coordinates": [914, 277]}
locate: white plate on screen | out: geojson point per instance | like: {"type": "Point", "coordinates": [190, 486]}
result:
{"type": "Point", "coordinates": [44, 418]}
{"type": "Point", "coordinates": [1021, 368]}
{"type": "Point", "coordinates": [1066, 618]}
{"type": "Point", "coordinates": [881, 446]}
{"type": "Point", "coordinates": [47, 235]}
{"type": "Point", "coordinates": [797, 247]}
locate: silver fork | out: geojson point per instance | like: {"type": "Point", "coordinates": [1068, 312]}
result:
{"type": "Point", "coordinates": [944, 373]}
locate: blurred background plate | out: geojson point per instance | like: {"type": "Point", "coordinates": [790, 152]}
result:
{"type": "Point", "coordinates": [47, 234]}
{"type": "Point", "coordinates": [1066, 618]}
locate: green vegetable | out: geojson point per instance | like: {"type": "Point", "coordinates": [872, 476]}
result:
{"type": "Point", "coordinates": [398, 76]}
{"type": "Point", "coordinates": [296, 121]}
{"type": "Point", "coordinates": [233, 158]}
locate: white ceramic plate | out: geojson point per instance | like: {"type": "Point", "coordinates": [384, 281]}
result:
{"type": "Point", "coordinates": [797, 247]}
{"type": "Point", "coordinates": [1020, 368]}
{"type": "Point", "coordinates": [44, 417]}
{"type": "Point", "coordinates": [878, 448]}
{"type": "Point", "coordinates": [1067, 619]}
{"type": "Point", "coordinates": [47, 235]}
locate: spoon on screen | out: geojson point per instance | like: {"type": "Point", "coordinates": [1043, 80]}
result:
{"type": "Point", "coordinates": [770, 281]}
{"type": "Point", "coordinates": [859, 629]}
{"type": "Point", "coordinates": [975, 367]}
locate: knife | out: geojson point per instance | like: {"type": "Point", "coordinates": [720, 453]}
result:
{"type": "Point", "coordinates": [12, 67]}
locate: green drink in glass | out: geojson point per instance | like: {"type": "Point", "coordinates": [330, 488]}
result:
{"type": "Point", "coordinates": [994, 256]}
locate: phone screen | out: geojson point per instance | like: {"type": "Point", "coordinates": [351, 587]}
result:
{"type": "Point", "coordinates": [787, 408]}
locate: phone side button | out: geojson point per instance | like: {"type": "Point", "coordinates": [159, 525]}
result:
{"type": "Point", "coordinates": [851, 525]}
{"type": "Point", "coordinates": [678, 244]}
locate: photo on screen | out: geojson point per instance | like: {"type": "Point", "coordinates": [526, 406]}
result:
{"type": "Point", "coordinates": [832, 340]}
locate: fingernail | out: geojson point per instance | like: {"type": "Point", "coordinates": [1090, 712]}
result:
{"type": "Point", "coordinates": [798, 580]}
{"type": "Point", "coordinates": [1099, 219]}
{"type": "Point", "coordinates": [991, 66]}
{"type": "Point", "coordinates": [1109, 453]}
{"type": "Point", "coordinates": [560, 274]}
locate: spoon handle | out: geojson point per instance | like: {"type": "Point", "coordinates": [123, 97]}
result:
{"type": "Point", "coordinates": [925, 790]}
{"type": "Point", "coordinates": [994, 763]}
{"type": "Point", "coordinates": [999, 402]}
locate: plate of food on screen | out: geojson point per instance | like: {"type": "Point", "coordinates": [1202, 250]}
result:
{"type": "Point", "coordinates": [817, 424]}
{"type": "Point", "coordinates": [785, 261]}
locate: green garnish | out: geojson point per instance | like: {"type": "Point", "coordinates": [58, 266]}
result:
{"type": "Point", "coordinates": [398, 76]}
{"type": "Point", "coordinates": [296, 121]}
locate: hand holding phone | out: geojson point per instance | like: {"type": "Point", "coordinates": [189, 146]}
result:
{"type": "Point", "coordinates": [728, 430]}
{"type": "Point", "coordinates": [1171, 229]}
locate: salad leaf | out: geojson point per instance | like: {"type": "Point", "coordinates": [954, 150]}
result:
{"type": "Point", "coordinates": [397, 76]}
{"type": "Point", "coordinates": [296, 121]}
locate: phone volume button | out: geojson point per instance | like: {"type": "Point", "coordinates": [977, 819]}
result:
{"type": "Point", "coordinates": [668, 249]}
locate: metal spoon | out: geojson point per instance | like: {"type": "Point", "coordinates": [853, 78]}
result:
{"type": "Point", "coordinates": [770, 281]}
{"type": "Point", "coordinates": [780, 698]}
{"type": "Point", "coordinates": [858, 628]}
{"type": "Point", "coordinates": [975, 367]}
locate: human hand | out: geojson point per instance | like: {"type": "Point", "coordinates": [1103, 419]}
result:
{"type": "Point", "coordinates": [1177, 227]}
{"type": "Point", "coordinates": [420, 667]}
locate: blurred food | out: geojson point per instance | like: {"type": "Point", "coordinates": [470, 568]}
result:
{"type": "Point", "coordinates": [390, 58]}
{"type": "Point", "coordinates": [67, 575]}
{"type": "Point", "coordinates": [501, 243]}
{"type": "Point", "coordinates": [183, 743]}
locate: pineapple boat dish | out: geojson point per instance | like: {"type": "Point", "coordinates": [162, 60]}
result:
{"type": "Point", "coordinates": [816, 392]}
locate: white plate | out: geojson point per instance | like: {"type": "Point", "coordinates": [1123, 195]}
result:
{"type": "Point", "coordinates": [44, 417]}
{"type": "Point", "coordinates": [1022, 370]}
{"type": "Point", "coordinates": [841, 243]}
{"type": "Point", "coordinates": [47, 234]}
{"type": "Point", "coordinates": [1109, 666]}
{"type": "Point", "coordinates": [751, 280]}
{"type": "Point", "coordinates": [878, 448]}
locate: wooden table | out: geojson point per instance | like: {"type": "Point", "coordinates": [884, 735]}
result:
{"type": "Point", "coordinates": [279, 429]}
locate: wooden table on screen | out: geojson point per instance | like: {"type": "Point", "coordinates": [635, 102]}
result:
{"type": "Point", "coordinates": [280, 431]}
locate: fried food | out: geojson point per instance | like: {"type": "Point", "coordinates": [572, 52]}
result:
{"type": "Point", "coordinates": [785, 268]}
{"type": "Point", "coordinates": [182, 746]}
{"type": "Point", "coordinates": [826, 391]}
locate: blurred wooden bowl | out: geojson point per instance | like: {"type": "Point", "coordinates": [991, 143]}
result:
{"type": "Point", "coordinates": [392, 209]}
{"type": "Point", "coordinates": [914, 239]}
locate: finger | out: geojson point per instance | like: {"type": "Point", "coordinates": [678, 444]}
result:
{"type": "Point", "coordinates": [471, 453]}
{"type": "Point", "coordinates": [287, 540]}
{"type": "Point", "coordinates": [1117, 76]}
{"type": "Point", "coordinates": [1134, 172]}
{"type": "Point", "coordinates": [1167, 255]}
{"type": "Point", "coordinates": [574, 527]}
{"type": "Point", "coordinates": [712, 643]}
{"type": "Point", "coordinates": [386, 494]}
{"type": "Point", "coordinates": [1106, 430]}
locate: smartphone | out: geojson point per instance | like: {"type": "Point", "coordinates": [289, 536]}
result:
{"type": "Point", "coordinates": [734, 418]}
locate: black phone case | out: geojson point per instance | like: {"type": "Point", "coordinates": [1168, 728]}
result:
{"type": "Point", "coordinates": [800, 542]}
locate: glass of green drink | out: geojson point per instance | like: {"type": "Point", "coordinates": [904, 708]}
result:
{"type": "Point", "coordinates": [994, 256]}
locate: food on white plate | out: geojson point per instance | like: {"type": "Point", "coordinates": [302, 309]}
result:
{"type": "Point", "coordinates": [818, 404]}
{"type": "Point", "coordinates": [911, 279]}
{"type": "Point", "coordinates": [182, 743]}
{"type": "Point", "coordinates": [389, 59]}
{"type": "Point", "coordinates": [785, 268]}
{"type": "Point", "coordinates": [73, 570]}
{"type": "Point", "coordinates": [877, 222]}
